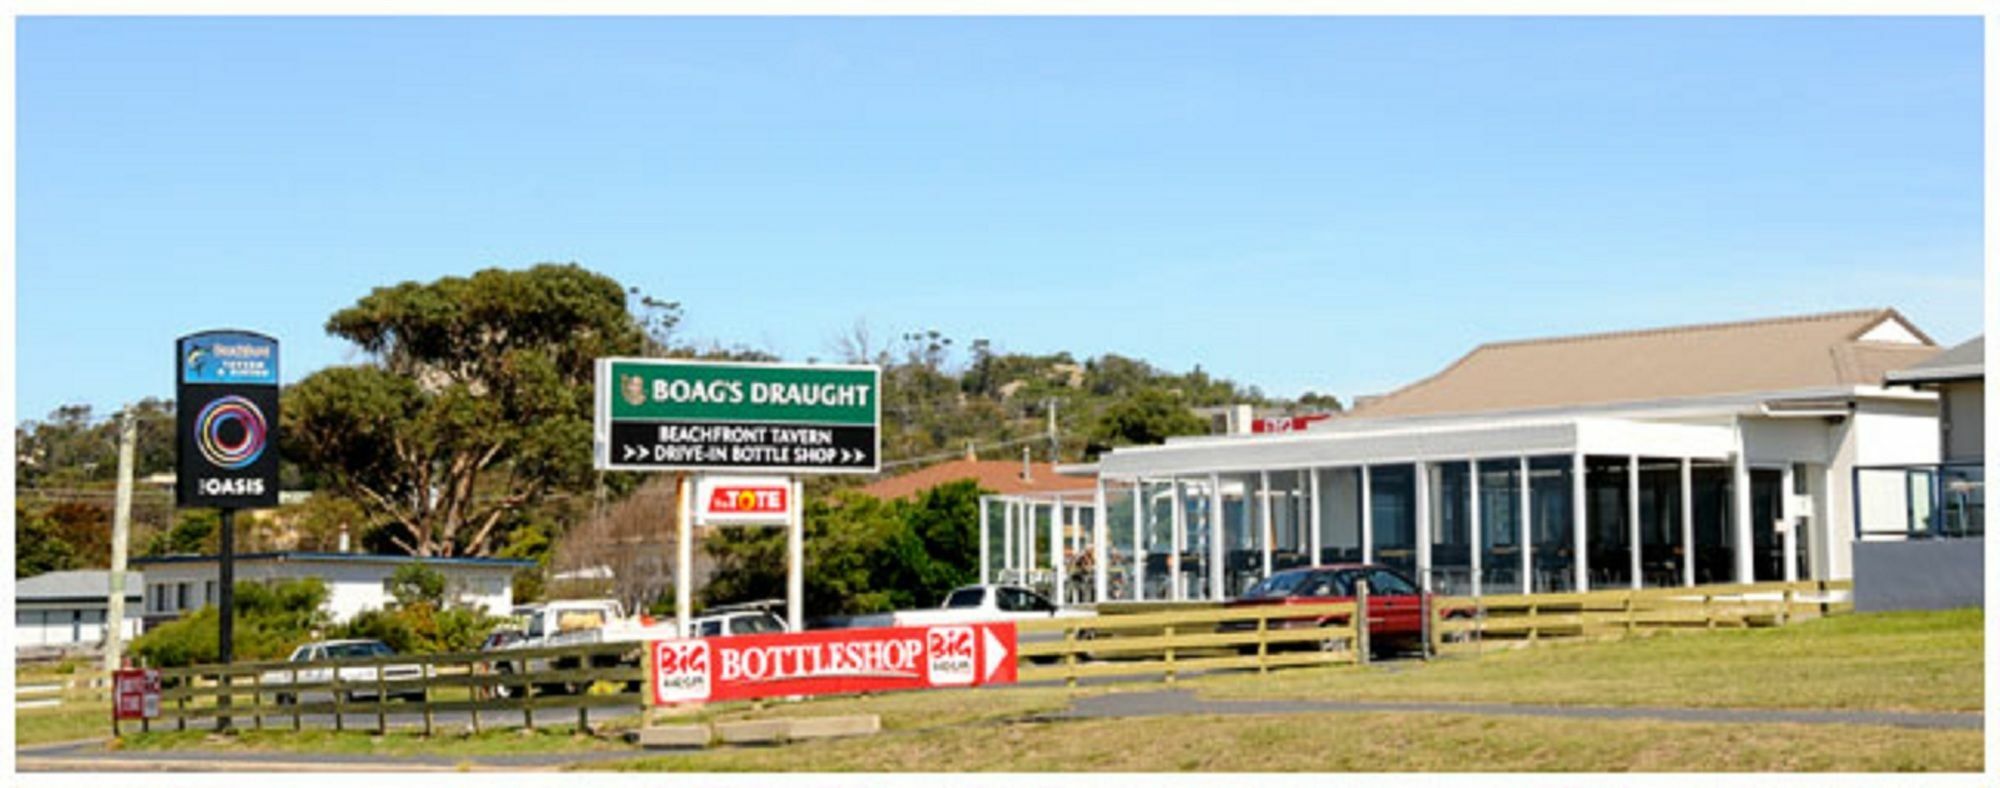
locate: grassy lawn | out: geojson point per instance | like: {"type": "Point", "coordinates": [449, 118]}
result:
{"type": "Point", "coordinates": [69, 722]}
{"type": "Point", "coordinates": [1924, 661]}
{"type": "Point", "coordinates": [397, 743]}
{"type": "Point", "coordinates": [1355, 742]}
{"type": "Point", "coordinates": [915, 710]}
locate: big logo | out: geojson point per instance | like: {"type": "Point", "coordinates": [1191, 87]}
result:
{"type": "Point", "coordinates": [680, 671]}
{"type": "Point", "coordinates": [950, 652]}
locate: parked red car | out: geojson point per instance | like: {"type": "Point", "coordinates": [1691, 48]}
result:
{"type": "Point", "coordinates": [1396, 607]}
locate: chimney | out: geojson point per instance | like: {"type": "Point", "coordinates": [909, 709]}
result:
{"type": "Point", "coordinates": [343, 537]}
{"type": "Point", "coordinates": [971, 454]}
{"type": "Point", "coordinates": [1027, 468]}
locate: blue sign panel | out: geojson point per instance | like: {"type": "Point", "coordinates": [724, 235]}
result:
{"type": "Point", "coordinates": [238, 357]}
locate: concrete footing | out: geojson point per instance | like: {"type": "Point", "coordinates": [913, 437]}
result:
{"type": "Point", "coordinates": [772, 731]}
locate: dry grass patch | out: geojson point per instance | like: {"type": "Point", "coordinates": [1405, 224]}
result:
{"type": "Point", "coordinates": [1925, 661]}
{"type": "Point", "coordinates": [1357, 742]}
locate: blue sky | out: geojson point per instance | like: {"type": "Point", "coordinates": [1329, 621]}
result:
{"type": "Point", "coordinates": [1332, 204]}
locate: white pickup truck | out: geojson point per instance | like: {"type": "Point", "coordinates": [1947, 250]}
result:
{"type": "Point", "coordinates": [576, 622]}
{"type": "Point", "coordinates": [972, 604]}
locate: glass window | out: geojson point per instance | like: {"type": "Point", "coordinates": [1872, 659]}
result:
{"type": "Point", "coordinates": [1386, 582]}
{"type": "Point", "coordinates": [965, 598]}
{"type": "Point", "coordinates": [1551, 510]}
{"type": "Point", "coordinates": [1392, 491]}
{"type": "Point", "coordinates": [757, 624]}
{"type": "Point", "coordinates": [1661, 552]}
{"type": "Point", "coordinates": [1714, 524]}
{"type": "Point", "coordinates": [1282, 584]}
{"type": "Point", "coordinates": [1609, 525]}
{"type": "Point", "coordinates": [708, 629]}
{"type": "Point", "coordinates": [1500, 526]}
{"type": "Point", "coordinates": [1339, 515]}
{"type": "Point", "coordinates": [1451, 534]}
{"type": "Point", "coordinates": [1242, 519]}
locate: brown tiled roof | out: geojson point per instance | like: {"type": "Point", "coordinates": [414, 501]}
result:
{"type": "Point", "coordinates": [999, 476]}
{"type": "Point", "coordinates": [1777, 354]}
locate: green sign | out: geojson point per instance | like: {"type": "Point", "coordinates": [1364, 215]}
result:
{"type": "Point", "coordinates": [657, 414]}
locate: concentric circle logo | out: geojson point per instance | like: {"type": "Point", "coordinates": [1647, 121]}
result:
{"type": "Point", "coordinates": [230, 432]}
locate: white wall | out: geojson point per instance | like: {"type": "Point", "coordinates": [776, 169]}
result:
{"type": "Point", "coordinates": [1964, 408]}
{"type": "Point", "coordinates": [1896, 433]}
{"type": "Point", "coordinates": [352, 586]}
{"type": "Point", "coordinates": [37, 624]}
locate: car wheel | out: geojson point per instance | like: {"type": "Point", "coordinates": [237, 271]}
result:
{"type": "Point", "coordinates": [502, 691]}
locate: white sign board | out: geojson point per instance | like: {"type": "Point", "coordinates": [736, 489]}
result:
{"type": "Point", "coordinates": [743, 500]}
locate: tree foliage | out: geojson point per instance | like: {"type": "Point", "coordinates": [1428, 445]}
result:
{"type": "Point", "coordinates": [38, 546]}
{"type": "Point", "coordinates": [863, 555]}
{"type": "Point", "coordinates": [194, 532]}
{"type": "Point", "coordinates": [476, 403]}
{"type": "Point", "coordinates": [271, 620]}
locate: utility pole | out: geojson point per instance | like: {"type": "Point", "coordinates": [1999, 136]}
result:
{"type": "Point", "coordinates": [121, 530]}
{"type": "Point", "coordinates": [1055, 446]}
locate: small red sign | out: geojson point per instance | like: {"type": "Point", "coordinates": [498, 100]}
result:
{"type": "Point", "coordinates": [136, 694]}
{"type": "Point", "coordinates": [1287, 423]}
{"type": "Point", "coordinates": [746, 500]}
{"type": "Point", "coordinates": [830, 662]}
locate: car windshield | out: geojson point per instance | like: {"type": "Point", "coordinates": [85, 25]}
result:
{"type": "Point", "coordinates": [1282, 584]}
{"type": "Point", "coordinates": [357, 650]}
{"type": "Point", "coordinates": [965, 597]}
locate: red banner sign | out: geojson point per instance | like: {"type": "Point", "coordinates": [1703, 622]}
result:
{"type": "Point", "coordinates": [136, 694]}
{"type": "Point", "coordinates": [831, 661]}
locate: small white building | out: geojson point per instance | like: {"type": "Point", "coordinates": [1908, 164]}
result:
{"type": "Point", "coordinates": [66, 610]}
{"type": "Point", "coordinates": [355, 582]}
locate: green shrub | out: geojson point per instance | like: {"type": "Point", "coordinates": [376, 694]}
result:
{"type": "Point", "coordinates": [271, 620]}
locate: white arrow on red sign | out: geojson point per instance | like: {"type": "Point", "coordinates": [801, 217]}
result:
{"type": "Point", "coordinates": [996, 653]}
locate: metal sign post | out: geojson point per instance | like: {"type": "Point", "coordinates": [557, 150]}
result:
{"type": "Point", "coordinates": [726, 417]}
{"type": "Point", "coordinates": [225, 444]}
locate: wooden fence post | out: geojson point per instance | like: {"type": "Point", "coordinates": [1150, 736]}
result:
{"type": "Point", "coordinates": [1785, 614]}
{"type": "Point", "coordinates": [1169, 632]}
{"type": "Point", "coordinates": [1359, 618]}
{"type": "Point", "coordinates": [257, 700]}
{"type": "Point", "coordinates": [298, 699]}
{"type": "Point", "coordinates": [382, 698]}
{"type": "Point", "coordinates": [427, 704]}
{"type": "Point", "coordinates": [339, 718]}
{"type": "Point", "coordinates": [1534, 621]}
{"type": "Point", "coordinates": [1629, 628]}
{"type": "Point", "coordinates": [1263, 623]}
{"type": "Point", "coordinates": [528, 704]}
{"type": "Point", "coordinates": [1069, 655]}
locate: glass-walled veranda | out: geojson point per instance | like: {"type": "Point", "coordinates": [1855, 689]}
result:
{"type": "Point", "coordinates": [1485, 524]}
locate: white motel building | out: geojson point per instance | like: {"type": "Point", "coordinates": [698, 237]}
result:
{"type": "Point", "coordinates": [1733, 452]}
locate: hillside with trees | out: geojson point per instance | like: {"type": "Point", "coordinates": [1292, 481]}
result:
{"type": "Point", "coordinates": [465, 431]}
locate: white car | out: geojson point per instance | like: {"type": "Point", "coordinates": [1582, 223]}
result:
{"type": "Point", "coordinates": [995, 602]}
{"type": "Point", "coordinates": [362, 677]}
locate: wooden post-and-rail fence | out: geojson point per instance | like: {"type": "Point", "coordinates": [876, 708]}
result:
{"type": "Point", "coordinates": [1123, 640]}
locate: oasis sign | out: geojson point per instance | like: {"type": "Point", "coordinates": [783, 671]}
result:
{"type": "Point", "coordinates": [831, 661]}
{"type": "Point", "coordinates": [226, 420]}
{"type": "Point", "coordinates": [659, 414]}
